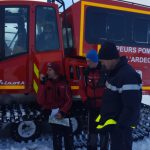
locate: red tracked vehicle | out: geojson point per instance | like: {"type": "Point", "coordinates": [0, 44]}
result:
{"type": "Point", "coordinates": [83, 26]}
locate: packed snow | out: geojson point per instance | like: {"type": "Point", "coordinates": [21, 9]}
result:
{"type": "Point", "coordinates": [45, 143]}
{"type": "Point", "coordinates": [146, 99]}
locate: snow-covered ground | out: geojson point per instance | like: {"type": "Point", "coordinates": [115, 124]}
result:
{"type": "Point", "coordinates": [146, 99]}
{"type": "Point", "coordinates": [45, 141]}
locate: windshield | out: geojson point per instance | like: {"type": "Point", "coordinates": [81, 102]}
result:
{"type": "Point", "coordinates": [102, 24]}
{"type": "Point", "coordinates": [115, 25]}
{"type": "Point", "coordinates": [46, 29]}
{"type": "Point", "coordinates": [15, 31]}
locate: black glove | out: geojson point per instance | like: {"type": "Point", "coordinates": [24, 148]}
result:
{"type": "Point", "coordinates": [103, 73]}
{"type": "Point", "coordinates": [63, 114]}
{"type": "Point", "coordinates": [102, 81]}
{"type": "Point", "coordinates": [44, 79]}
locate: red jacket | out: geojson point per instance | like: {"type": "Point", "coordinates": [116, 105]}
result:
{"type": "Point", "coordinates": [89, 87]}
{"type": "Point", "coordinates": [55, 94]}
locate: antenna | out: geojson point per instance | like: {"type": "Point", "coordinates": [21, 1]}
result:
{"type": "Point", "coordinates": [62, 4]}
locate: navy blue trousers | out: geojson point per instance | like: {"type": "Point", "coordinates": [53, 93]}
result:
{"type": "Point", "coordinates": [121, 138]}
{"type": "Point", "coordinates": [60, 131]}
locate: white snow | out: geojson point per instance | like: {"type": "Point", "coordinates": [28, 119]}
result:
{"type": "Point", "coordinates": [45, 143]}
{"type": "Point", "coordinates": [42, 143]}
{"type": "Point", "coordinates": [142, 145]}
{"type": "Point", "coordinates": [146, 100]}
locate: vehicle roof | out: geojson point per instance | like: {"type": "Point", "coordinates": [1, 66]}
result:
{"type": "Point", "coordinates": [19, 0]}
{"type": "Point", "coordinates": [121, 2]}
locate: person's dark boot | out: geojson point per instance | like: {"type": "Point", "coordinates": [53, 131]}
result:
{"type": "Point", "coordinates": [104, 141]}
{"type": "Point", "coordinates": [92, 142]}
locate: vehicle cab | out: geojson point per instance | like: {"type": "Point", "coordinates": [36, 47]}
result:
{"type": "Point", "coordinates": [30, 36]}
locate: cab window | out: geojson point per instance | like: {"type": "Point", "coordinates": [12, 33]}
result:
{"type": "Point", "coordinates": [102, 24]}
{"type": "Point", "coordinates": [141, 30]}
{"type": "Point", "coordinates": [15, 31]}
{"type": "Point", "coordinates": [46, 29]}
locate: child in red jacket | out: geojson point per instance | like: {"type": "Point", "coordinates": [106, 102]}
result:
{"type": "Point", "coordinates": [55, 93]}
{"type": "Point", "coordinates": [92, 85]}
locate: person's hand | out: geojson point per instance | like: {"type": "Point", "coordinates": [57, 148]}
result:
{"type": "Point", "coordinates": [58, 116]}
{"type": "Point", "coordinates": [42, 76]}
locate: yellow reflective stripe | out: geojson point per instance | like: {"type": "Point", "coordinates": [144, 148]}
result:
{"type": "Point", "coordinates": [116, 7]}
{"type": "Point", "coordinates": [98, 48]}
{"type": "Point", "coordinates": [36, 71]}
{"type": "Point", "coordinates": [98, 118]}
{"type": "Point", "coordinates": [133, 127]}
{"type": "Point", "coordinates": [108, 122]}
{"type": "Point", "coordinates": [146, 88]}
{"type": "Point", "coordinates": [35, 86]}
{"type": "Point", "coordinates": [81, 30]}
{"type": "Point", "coordinates": [74, 87]}
{"type": "Point", "coordinates": [12, 87]}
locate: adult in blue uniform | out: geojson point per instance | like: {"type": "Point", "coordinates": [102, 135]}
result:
{"type": "Point", "coordinates": [122, 98]}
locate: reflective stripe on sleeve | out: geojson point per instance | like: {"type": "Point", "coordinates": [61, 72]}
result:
{"type": "Point", "coordinates": [98, 118]}
{"type": "Point", "coordinates": [108, 122]}
{"type": "Point", "coordinates": [124, 87]}
{"type": "Point", "coordinates": [133, 127]}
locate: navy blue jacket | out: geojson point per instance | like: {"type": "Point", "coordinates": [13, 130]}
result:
{"type": "Point", "coordinates": [123, 94]}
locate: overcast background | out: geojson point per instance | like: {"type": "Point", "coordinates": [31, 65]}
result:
{"type": "Point", "coordinates": [144, 2]}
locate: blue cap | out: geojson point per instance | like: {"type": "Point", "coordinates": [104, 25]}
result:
{"type": "Point", "coordinates": [92, 55]}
